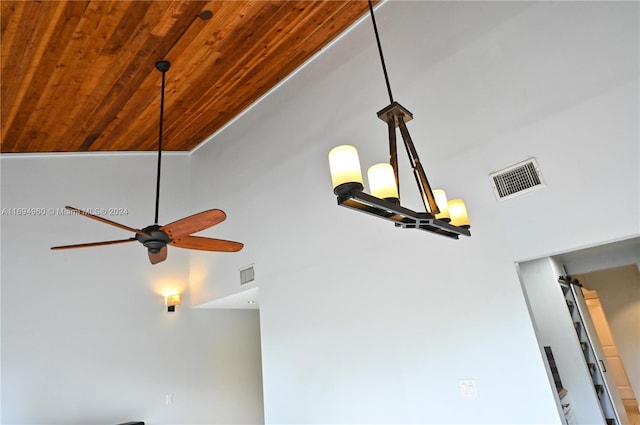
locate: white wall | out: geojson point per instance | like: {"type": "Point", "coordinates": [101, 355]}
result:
{"type": "Point", "coordinates": [362, 322]}
{"type": "Point", "coordinates": [86, 337]}
{"type": "Point", "coordinates": [619, 293]}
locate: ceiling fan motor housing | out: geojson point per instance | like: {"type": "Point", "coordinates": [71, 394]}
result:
{"type": "Point", "coordinates": [157, 239]}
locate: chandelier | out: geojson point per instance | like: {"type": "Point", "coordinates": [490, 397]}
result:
{"type": "Point", "coordinates": [444, 217]}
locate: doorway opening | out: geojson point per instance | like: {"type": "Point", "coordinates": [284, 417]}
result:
{"type": "Point", "coordinates": [568, 295]}
{"type": "Point", "coordinates": [613, 300]}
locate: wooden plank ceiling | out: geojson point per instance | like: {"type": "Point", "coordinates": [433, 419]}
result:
{"type": "Point", "coordinates": [80, 75]}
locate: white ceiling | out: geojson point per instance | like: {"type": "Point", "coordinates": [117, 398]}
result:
{"type": "Point", "coordinates": [614, 254]}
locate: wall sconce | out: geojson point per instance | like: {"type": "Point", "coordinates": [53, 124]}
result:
{"type": "Point", "coordinates": [172, 301]}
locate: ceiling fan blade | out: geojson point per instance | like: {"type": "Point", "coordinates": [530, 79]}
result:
{"type": "Point", "coordinates": [104, 220]}
{"type": "Point", "coordinates": [87, 245]}
{"type": "Point", "coordinates": [207, 244]}
{"type": "Point", "coordinates": [158, 257]}
{"type": "Point", "coordinates": [194, 223]}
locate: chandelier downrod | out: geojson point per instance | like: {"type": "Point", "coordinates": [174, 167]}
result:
{"type": "Point", "coordinates": [384, 67]}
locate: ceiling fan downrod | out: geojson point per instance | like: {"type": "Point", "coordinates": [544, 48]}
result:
{"type": "Point", "coordinates": [162, 66]}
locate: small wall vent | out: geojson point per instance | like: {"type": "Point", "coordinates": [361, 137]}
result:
{"type": "Point", "coordinates": [247, 275]}
{"type": "Point", "coordinates": [516, 179]}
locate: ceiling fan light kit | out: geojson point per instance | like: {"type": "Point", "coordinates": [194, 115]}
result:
{"type": "Point", "coordinates": [178, 233]}
{"type": "Point", "coordinates": [446, 218]}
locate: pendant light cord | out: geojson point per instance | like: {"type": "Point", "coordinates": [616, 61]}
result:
{"type": "Point", "coordinates": [384, 67]}
{"type": "Point", "coordinates": [160, 148]}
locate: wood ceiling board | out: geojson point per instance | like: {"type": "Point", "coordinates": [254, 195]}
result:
{"type": "Point", "coordinates": [132, 107]}
{"type": "Point", "coordinates": [258, 78]}
{"type": "Point", "coordinates": [95, 36]}
{"type": "Point", "coordinates": [34, 44]}
{"type": "Point", "coordinates": [80, 75]}
{"type": "Point", "coordinates": [139, 66]}
{"type": "Point", "coordinates": [183, 103]}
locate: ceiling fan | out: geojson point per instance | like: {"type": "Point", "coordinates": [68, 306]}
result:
{"type": "Point", "coordinates": [178, 233]}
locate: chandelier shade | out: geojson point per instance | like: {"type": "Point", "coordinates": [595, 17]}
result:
{"type": "Point", "coordinates": [345, 167]}
{"type": "Point", "coordinates": [443, 204]}
{"type": "Point", "coordinates": [382, 182]}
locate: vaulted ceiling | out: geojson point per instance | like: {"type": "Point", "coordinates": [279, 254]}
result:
{"type": "Point", "coordinates": [80, 75]}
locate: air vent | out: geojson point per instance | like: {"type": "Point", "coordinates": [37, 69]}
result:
{"type": "Point", "coordinates": [247, 275]}
{"type": "Point", "coordinates": [517, 179]}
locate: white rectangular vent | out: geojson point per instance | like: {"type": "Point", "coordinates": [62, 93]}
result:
{"type": "Point", "coordinates": [247, 275]}
{"type": "Point", "coordinates": [517, 179]}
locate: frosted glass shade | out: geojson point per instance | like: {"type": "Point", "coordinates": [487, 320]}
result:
{"type": "Point", "coordinates": [344, 164]}
{"type": "Point", "coordinates": [458, 213]}
{"type": "Point", "coordinates": [382, 181]}
{"type": "Point", "coordinates": [173, 300]}
{"type": "Point", "coordinates": [443, 205]}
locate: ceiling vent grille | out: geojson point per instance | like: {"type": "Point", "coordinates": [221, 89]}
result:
{"type": "Point", "coordinates": [247, 275]}
{"type": "Point", "coordinates": [516, 179]}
